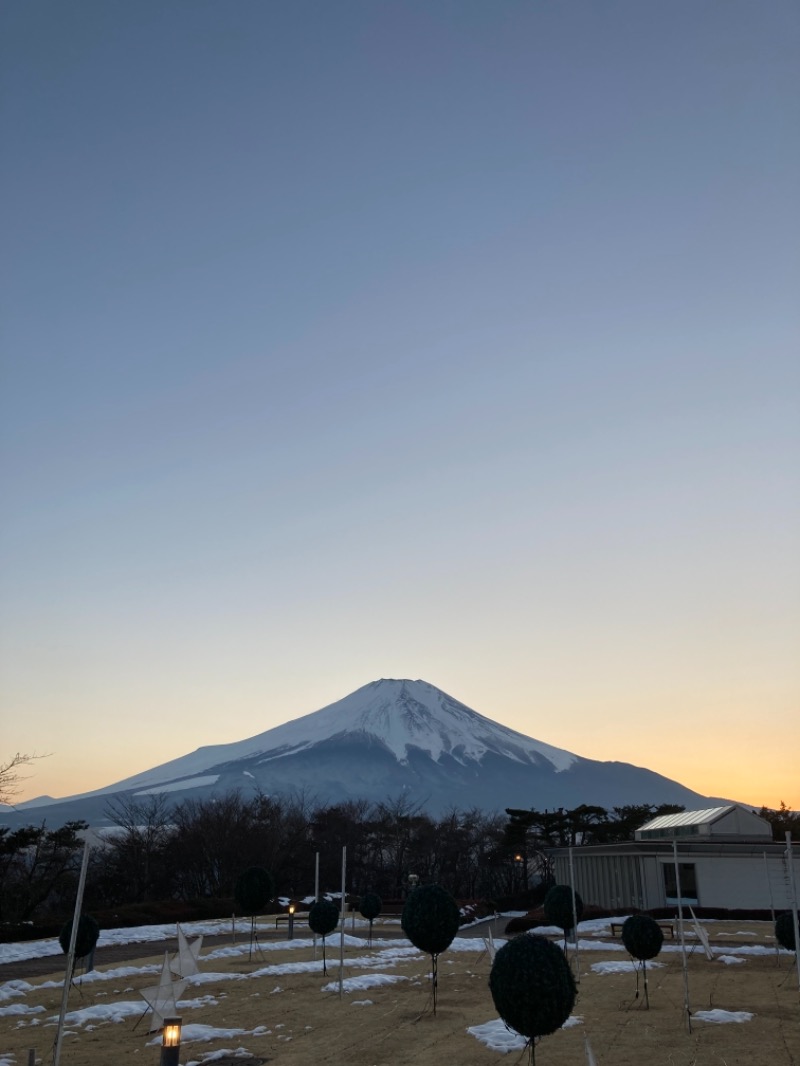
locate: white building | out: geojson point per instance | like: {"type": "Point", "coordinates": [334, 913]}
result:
{"type": "Point", "coordinates": [726, 859]}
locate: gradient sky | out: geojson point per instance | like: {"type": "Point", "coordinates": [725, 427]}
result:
{"type": "Point", "coordinates": [441, 340]}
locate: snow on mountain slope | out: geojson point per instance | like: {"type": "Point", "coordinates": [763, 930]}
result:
{"type": "Point", "coordinates": [408, 713]}
{"type": "Point", "coordinates": [389, 738]}
{"type": "Point", "coordinates": [398, 713]}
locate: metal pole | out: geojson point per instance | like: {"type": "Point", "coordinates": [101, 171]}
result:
{"type": "Point", "coordinates": [574, 919]}
{"type": "Point", "coordinates": [793, 888]}
{"type": "Point", "coordinates": [71, 955]}
{"type": "Point", "coordinates": [771, 902]}
{"type": "Point", "coordinates": [341, 926]}
{"type": "Point", "coordinates": [316, 897]}
{"type": "Point", "coordinates": [769, 887]}
{"type": "Point", "coordinates": [683, 938]}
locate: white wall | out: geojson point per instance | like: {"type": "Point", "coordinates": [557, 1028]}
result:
{"type": "Point", "coordinates": [636, 881]}
{"type": "Point", "coordinates": [744, 882]}
{"type": "Point", "coordinates": [740, 822]}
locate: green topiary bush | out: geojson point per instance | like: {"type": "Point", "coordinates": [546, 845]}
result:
{"type": "Point", "coordinates": [253, 890]}
{"type": "Point", "coordinates": [784, 931]}
{"type": "Point", "coordinates": [323, 917]}
{"type": "Point", "coordinates": [430, 920]}
{"type": "Point", "coordinates": [370, 906]}
{"type": "Point", "coordinates": [85, 941]}
{"type": "Point", "coordinates": [558, 907]}
{"type": "Point", "coordinates": [532, 985]}
{"type": "Point", "coordinates": [642, 936]}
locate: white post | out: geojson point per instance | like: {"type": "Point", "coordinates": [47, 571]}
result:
{"type": "Point", "coordinates": [71, 954]}
{"type": "Point", "coordinates": [316, 897]}
{"type": "Point", "coordinates": [341, 926]}
{"type": "Point", "coordinates": [769, 887]}
{"type": "Point", "coordinates": [793, 888]}
{"type": "Point", "coordinates": [683, 938]}
{"type": "Point", "coordinates": [574, 919]}
{"type": "Point", "coordinates": [771, 903]}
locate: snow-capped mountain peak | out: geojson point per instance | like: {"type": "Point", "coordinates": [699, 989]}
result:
{"type": "Point", "coordinates": [403, 714]}
{"type": "Point", "coordinates": [399, 714]}
{"type": "Point", "coordinates": [389, 737]}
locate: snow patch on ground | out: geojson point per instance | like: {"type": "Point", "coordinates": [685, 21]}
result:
{"type": "Point", "coordinates": [223, 1053]}
{"type": "Point", "coordinates": [623, 966]}
{"type": "Point", "coordinates": [365, 982]}
{"type": "Point", "coordinates": [194, 1033]}
{"type": "Point", "coordinates": [721, 1017]}
{"type": "Point", "coordinates": [19, 1009]}
{"type": "Point", "coordinates": [497, 1036]}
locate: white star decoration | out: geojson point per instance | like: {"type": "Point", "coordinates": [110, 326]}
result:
{"type": "Point", "coordinates": [162, 998]}
{"type": "Point", "coordinates": [702, 936]}
{"type": "Point", "coordinates": [185, 962]}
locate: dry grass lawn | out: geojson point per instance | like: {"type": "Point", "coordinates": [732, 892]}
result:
{"type": "Point", "coordinates": [309, 1027]}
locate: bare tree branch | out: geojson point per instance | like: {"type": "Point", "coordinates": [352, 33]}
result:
{"type": "Point", "coordinates": [10, 778]}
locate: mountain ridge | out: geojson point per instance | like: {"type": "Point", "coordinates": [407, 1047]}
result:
{"type": "Point", "coordinates": [390, 735]}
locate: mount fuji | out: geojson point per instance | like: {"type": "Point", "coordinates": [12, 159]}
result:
{"type": "Point", "coordinates": [389, 738]}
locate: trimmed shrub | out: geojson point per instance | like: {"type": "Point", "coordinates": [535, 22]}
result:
{"type": "Point", "coordinates": [323, 917]}
{"type": "Point", "coordinates": [784, 931]}
{"type": "Point", "coordinates": [254, 888]}
{"type": "Point", "coordinates": [430, 919]}
{"type": "Point", "coordinates": [532, 986]}
{"type": "Point", "coordinates": [370, 906]}
{"type": "Point", "coordinates": [85, 941]}
{"type": "Point", "coordinates": [558, 907]}
{"type": "Point", "coordinates": [642, 936]}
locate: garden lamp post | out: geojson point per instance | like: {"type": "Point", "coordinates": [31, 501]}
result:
{"type": "Point", "coordinates": [171, 1042]}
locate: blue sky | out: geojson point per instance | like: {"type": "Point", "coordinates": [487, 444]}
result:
{"type": "Point", "coordinates": [359, 340]}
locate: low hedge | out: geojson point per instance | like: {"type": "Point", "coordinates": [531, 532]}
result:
{"type": "Point", "coordinates": [127, 916]}
{"type": "Point", "coordinates": [534, 919]}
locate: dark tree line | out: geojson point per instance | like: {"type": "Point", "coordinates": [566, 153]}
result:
{"type": "Point", "coordinates": [197, 850]}
{"type": "Point", "coordinates": [783, 821]}
{"type": "Point", "coordinates": [38, 869]}
{"type": "Point", "coordinates": [582, 825]}
{"type": "Point", "coordinates": [529, 833]}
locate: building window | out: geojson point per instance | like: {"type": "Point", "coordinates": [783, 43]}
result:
{"type": "Point", "coordinates": [688, 880]}
{"type": "Point", "coordinates": [670, 831]}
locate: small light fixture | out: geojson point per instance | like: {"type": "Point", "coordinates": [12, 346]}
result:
{"type": "Point", "coordinates": [291, 921]}
{"type": "Point", "coordinates": [171, 1042]}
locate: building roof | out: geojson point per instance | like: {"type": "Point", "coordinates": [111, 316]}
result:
{"type": "Point", "coordinates": [672, 821]}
